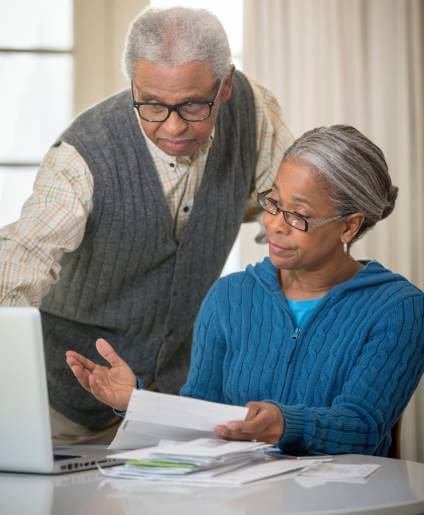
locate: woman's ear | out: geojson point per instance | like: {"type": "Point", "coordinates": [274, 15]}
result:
{"type": "Point", "coordinates": [352, 224]}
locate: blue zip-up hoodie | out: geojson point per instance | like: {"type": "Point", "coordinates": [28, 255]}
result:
{"type": "Point", "coordinates": [341, 381]}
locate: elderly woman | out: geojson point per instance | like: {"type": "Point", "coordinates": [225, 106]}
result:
{"type": "Point", "coordinates": [326, 350]}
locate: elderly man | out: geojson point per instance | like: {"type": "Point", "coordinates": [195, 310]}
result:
{"type": "Point", "coordinates": [136, 207]}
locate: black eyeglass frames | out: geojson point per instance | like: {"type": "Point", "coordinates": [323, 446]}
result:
{"type": "Point", "coordinates": [188, 111]}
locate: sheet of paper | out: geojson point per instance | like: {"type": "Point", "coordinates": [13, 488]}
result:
{"type": "Point", "coordinates": [259, 471]}
{"type": "Point", "coordinates": [152, 417]}
{"type": "Point", "coordinates": [339, 472]}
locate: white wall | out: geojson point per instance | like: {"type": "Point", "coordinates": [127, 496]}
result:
{"type": "Point", "coordinates": [100, 28]}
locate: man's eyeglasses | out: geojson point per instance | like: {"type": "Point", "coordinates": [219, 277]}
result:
{"type": "Point", "coordinates": [188, 111]}
{"type": "Point", "coordinates": [293, 219]}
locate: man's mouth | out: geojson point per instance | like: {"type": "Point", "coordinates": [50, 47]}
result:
{"type": "Point", "coordinates": [176, 142]}
{"type": "Point", "coordinates": [176, 146]}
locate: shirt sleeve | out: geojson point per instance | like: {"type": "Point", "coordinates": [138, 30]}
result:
{"type": "Point", "coordinates": [52, 222]}
{"type": "Point", "coordinates": [373, 397]}
{"type": "Point", "coordinates": [272, 139]}
{"type": "Point", "coordinates": [138, 386]}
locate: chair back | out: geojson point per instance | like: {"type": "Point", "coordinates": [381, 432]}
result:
{"type": "Point", "coordinates": [394, 451]}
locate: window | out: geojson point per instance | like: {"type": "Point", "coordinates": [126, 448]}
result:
{"type": "Point", "coordinates": [36, 101]}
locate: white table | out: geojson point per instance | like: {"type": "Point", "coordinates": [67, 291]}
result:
{"type": "Point", "coordinates": [396, 488]}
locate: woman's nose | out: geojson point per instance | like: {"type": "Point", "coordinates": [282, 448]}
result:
{"type": "Point", "coordinates": [279, 224]}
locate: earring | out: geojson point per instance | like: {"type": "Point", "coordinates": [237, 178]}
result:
{"type": "Point", "coordinates": [345, 248]}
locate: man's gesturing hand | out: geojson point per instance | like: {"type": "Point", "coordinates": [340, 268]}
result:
{"type": "Point", "coordinates": [112, 386]}
{"type": "Point", "coordinates": [264, 422]}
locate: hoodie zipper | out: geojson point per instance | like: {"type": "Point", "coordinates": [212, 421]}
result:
{"type": "Point", "coordinates": [295, 335]}
{"type": "Point", "coordinates": [294, 338]}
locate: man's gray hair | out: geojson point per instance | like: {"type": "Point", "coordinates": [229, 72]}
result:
{"type": "Point", "coordinates": [353, 169]}
{"type": "Point", "coordinates": [177, 36]}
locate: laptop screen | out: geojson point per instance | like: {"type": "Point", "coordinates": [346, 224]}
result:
{"type": "Point", "coordinates": [25, 438]}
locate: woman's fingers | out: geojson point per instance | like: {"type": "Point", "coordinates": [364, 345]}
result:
{"type": "Point", "coordinates": [258, 424]}
{"type": "Point", "coordinates": [256, 421]}
{"type": "Point", "coordinates": [237, 428]}
{"type": "Point", "coordinates": [252, 411]}
{"type": "Point", "coordinates": [263, 422]}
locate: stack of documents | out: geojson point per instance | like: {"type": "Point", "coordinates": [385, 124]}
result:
{"type": "Point", "coordinates": [175, 459]}
{"type": "Point", "coordinates": [206, 460]}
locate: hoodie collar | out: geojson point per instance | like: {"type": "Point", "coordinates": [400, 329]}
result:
{"type": "Point", "coordinates": [372, 273]}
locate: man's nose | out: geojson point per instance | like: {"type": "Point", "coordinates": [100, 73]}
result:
{"type": "Point", "coordinates": [174, 124]}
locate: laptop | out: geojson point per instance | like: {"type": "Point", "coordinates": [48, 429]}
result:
{"type": "Point", "coordinates": [25, 434]}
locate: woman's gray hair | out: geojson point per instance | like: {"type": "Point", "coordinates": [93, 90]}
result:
{"type": "Point", "coordinates": [353, 169]}
{"type": "Point", "coordinates": [177, 36]}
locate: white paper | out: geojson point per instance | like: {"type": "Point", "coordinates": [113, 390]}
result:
{"type": "Point", "coordinates": [199, 448]}
{"type": "Point", "coordinates": [339, 472]}
{"type": "Point", "coordinates": [240, 476]}
{"type": "Point", "coordinates": [152, 417]}
{"type": "Point", "coordinates": [259, 471]}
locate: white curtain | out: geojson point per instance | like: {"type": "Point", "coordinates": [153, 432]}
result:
{"type": "Point", "coordinates": [358, 62]}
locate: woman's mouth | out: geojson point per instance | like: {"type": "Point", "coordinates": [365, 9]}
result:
{"type": "Point", "coordinates": [279, 250]}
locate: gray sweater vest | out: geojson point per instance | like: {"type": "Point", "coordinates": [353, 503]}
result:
{"type": "Point", "coordinates": [130, 281]}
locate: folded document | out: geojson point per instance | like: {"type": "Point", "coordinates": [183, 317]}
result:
{"type": "Point", "coordinates": [152, 417]}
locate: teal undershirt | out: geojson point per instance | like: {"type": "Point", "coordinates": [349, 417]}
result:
{"type": "Point", "coordinates": [301, 309]}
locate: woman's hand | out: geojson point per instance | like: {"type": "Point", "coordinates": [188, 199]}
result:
{"type": "Point", "coordinates": [264, 422]}
{"type": "Point", "coordinates": [112, 386]}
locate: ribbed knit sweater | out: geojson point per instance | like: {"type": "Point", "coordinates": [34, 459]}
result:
{"type": "Point", "coordinates": [341, 381]}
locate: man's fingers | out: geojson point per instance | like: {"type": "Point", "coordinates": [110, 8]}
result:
{"type": "Point", "coordinates": [107, 352]}
{"type": "Point", "coordinates": [82, 375]}
{"type": "Point", "coordinates": [98, 390]}
{"type": "Point", "coordinates": [74, 358]}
